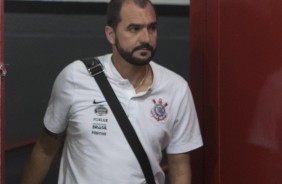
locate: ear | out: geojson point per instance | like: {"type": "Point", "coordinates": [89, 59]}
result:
{"type": "Point", "coordinates": [110, 34]}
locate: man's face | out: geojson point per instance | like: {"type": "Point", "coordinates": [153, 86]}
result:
{"type": "Point", "coordinates": [136, 34]}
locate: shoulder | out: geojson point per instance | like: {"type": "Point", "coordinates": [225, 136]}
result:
{"type": "Point", "coordinates": [76, 71]}
{"type": "Point", "coordinates": [69, 77]}
{"type": "Point", "coordinates": [163, 75]}
{"type": "Point", "coordinates": [69, 69]}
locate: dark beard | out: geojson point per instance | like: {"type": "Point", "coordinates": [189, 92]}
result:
{"type": "Point", "coordinates": [128, 56]}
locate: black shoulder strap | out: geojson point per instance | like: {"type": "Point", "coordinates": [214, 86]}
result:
{"type": "Point", "coordinates": [95, 68]}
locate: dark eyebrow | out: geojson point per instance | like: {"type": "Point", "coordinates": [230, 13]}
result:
{"type": "Point", "coordinates": [134, 25]}
{"type": "Point", "coordinates": [153, 24]}
{"type": "Point", "coordinates": [140, 25]}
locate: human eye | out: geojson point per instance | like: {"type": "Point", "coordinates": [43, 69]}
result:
{"type": "Point", "coordinates": [134, 28]}
{"type": "Point", "coordinates": [153, 27]}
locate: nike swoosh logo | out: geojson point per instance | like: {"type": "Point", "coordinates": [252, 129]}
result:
{"type": "Point", "coordinates": [98, 102]}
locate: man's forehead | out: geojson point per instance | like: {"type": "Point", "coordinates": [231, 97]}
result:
{"type": "Point", "coordinates": [133, 13]}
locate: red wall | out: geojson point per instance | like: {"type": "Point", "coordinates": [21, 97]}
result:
{"type": "Point", "coordinates": [236, 79]}
{"type": "Point", "coordinates": [2, 162]}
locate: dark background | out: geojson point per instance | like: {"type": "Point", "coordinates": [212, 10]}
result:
{"type": "Point", "coordinates": [43, 37]}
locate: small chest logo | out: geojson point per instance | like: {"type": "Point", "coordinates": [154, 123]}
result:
{"type": "Point", "coordinates": [159, 110]}
{"type": "Point", "coordinates": [101, 110]}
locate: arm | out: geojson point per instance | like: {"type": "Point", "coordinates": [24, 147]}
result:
{"type": "Point", "coordinates": [179, 168]}
{"type": "Point", "coordinates": [41, 157]}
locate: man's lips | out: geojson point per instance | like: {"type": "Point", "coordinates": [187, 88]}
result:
{"type": "Point", "coordinates": [146, 47]}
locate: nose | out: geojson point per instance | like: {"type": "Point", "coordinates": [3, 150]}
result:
{"type": "Point", "coordinates": [145, 36]}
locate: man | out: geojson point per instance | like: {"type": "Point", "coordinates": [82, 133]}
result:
{"type": "Point", "coordinates": [157, 101]}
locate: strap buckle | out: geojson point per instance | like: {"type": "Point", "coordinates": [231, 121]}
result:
{"type": "Point", "coordinates": [95, 68]}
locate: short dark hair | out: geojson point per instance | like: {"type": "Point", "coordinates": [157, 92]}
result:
{"type": "Point", "coordinates": [114, 8]}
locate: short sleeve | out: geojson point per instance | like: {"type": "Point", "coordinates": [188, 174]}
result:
{"type": "Point", "coordinates": [186, 135]}
{"type": "Point", "coordinates": [55, 119]}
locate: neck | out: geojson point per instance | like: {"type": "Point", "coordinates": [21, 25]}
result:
{"type": "Point", "coordinates": [142, 81]}
{"type": "Point", "coordinates": [137, 75]}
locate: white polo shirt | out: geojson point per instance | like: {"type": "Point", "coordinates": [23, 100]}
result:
{"type": "Point", "coordinates": [95, 149]}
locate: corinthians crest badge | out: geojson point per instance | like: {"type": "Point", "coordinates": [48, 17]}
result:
{"type": "Point", "coordinates": [159, 110]}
